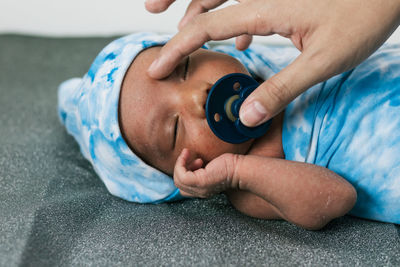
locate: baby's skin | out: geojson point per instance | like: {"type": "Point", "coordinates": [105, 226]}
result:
{"type": "Point", "coordinates": [164, 123]}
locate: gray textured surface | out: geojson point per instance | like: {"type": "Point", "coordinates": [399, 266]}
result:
{"type": "Point", "coordinates": [55, 211]}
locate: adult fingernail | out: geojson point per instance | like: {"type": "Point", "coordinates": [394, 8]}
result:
{"type": "Point", "coordinates": [253, 114]}
{"type": "Point", "coordinates": [154, 66]}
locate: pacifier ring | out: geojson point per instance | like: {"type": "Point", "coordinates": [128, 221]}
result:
{"type": "Point", "coordinates": [228, 107]}
{"type": "Point", "coordinates": [223, 105]}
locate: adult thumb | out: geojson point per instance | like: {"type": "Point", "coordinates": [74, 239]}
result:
{"type": "Point", "coordinates": [276, 93]}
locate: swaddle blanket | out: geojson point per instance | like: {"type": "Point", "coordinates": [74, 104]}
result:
{"type": "Point", "coordinates": [88, 107]}
{"type": "Point", "coordinates": [349, 124]}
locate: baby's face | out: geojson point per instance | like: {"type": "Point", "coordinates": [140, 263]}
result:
{"type": "Point", "coordinates": [159, 118]}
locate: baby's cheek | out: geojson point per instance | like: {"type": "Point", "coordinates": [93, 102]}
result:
{"type": "Point", "coordinates": [212, 147]}
{"type": "Point", "coordinates": [206, 145]}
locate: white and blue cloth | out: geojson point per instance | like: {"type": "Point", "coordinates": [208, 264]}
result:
{"type": "Point", "coordinates": [349, 124]}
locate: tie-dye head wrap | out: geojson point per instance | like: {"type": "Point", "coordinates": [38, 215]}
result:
{"type": "Point", "coordinates": [88, 107]}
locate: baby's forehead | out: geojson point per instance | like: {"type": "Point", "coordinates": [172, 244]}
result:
{"type": "Point", "coordinates": [148, 54]}
{"type": "Point", "coordinates": [136, 78]}
{"type": "Point", "coordinates": [137, 102]}
{"type": "Point", "coordinates": [137, 71]}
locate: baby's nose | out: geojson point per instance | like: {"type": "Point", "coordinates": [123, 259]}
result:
{"type": "Point", "coordinates": [197, 100]}
{"type": "Point", "coordinates": [199, 103]}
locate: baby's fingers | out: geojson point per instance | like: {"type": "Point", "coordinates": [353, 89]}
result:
{"type": "Point", "coordinates": [181, 161]}
{"type": "Point", "coordinates": [181, 171]}
{"type": "Point", "coordinates": [186, 194]}
{"type": "Point", "coordinates": [196, 164]}
{"type": "Point", "coordinates": [188, 165]}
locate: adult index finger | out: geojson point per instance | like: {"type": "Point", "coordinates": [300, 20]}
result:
{"type": "Point", "coordinates": [197, 7]}
{"type": "Point", "coordinates": [273, 95]}
{"type": "Point", "coordinates": [157, 6]}
{"type": "Point", "coordinates": [216, 25]}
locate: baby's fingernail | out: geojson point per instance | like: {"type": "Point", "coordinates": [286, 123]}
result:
{"type": "Point", "coordinates": [153, 67]}
{"type": "Point", "coordinates": [252, 114]}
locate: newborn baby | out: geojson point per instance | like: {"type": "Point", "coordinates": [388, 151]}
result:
{"type": "Point", "coordinates": [331, 143]}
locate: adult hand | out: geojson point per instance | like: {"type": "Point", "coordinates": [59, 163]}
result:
{"type": "Point", "coordinates": [195, 181]}
{"type": "Point", "coordinates": [333, 36]}
{"type": "Point", "coordinates": [196, 7]}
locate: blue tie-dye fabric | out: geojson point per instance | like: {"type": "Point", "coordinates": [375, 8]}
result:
{"type": "Point", "coordinates": [349, 124]}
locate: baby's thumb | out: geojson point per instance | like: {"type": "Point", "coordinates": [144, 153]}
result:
{"type": "Point", "coordinates": [276, 93]}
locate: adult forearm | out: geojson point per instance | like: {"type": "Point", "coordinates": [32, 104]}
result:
{"type": "Point", "coordinates": [305, 194]}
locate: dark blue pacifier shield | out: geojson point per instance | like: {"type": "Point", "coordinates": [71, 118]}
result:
{"type": "Point", "coordinates": [223, 105]}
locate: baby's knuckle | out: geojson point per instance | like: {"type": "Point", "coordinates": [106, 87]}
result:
{"type": "Point", "coordinates": [201, 194]}
{"type": "Point", "coordinates": [177, 183]}
{"type": "Point", "coordinates": [200, 183]}
{"type": "Point", "coordinates": [206, 194]}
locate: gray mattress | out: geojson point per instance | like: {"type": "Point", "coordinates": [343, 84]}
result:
{"type": "Point", "coordinates": [55, 211]}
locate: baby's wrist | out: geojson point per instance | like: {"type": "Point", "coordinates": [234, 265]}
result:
{"type": "Point", "coordinates": [233, 165]}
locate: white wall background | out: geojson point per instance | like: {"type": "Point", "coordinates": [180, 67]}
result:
{"type": "Point", "coordinates": [96, 18]}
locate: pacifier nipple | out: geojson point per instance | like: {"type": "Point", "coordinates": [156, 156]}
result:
{"type": "Point", "coordinates": [228, 107]}
{"type": "Point", "coordinates": [223, 105]}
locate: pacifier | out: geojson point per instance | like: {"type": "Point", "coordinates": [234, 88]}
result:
{"type": "Point", "coordinates": [223, 105]}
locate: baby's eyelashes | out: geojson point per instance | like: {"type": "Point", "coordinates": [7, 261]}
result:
{"type": "Point", "coordinates": [175, 131]}
{"type": "Point", "coordinates": [186, 71]}
{"type": "Point", "coordinates": [183, 69]}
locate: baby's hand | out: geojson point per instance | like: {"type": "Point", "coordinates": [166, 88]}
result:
{"type": "Point", "coordinates": [195, 181]}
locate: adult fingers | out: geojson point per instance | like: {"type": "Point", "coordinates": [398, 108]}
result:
{"type": "Point", "coordinates": [157, 6]}
{"type": "Point", "coordinates": [276, 93]}
{"type": "Point", "coordinates": [197, 7]}
{"type": "Point", "coordinates": [242, 42]}
{"type": "Point", "coordinates": [202, 28]}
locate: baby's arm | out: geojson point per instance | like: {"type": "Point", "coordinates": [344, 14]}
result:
{"type": "Point", "coordinates": [252, 205]}
{"type": "Point", "coordinates": [304, 194]}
